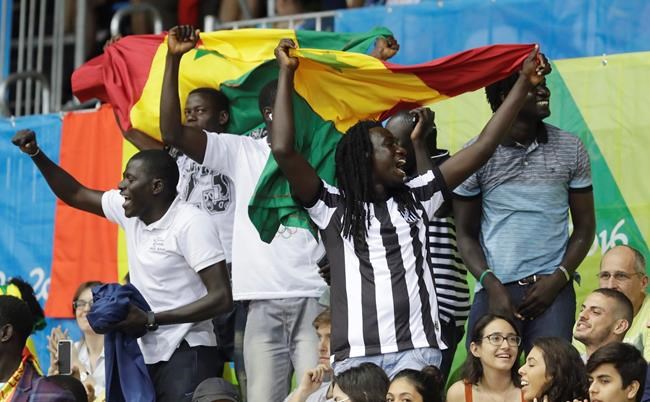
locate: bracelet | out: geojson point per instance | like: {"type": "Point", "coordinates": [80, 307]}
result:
{"type": "Point", "coordinates": [565, 272]}
{"type": "Point", "coordinates": [480, 278]}
{"type": "Point", "coordinates": [38, 151]}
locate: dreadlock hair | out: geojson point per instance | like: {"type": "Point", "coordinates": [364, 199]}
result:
{"type": "Point", "coordinates": [354, 169]}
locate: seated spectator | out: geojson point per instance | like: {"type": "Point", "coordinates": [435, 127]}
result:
{"type": "Point", "coordinates": [416, 386]}
{"type": "Point", "coordinates": [24, 291]}
{"type": "Point", "coordinates": [88, 353]}
{"type": "Point", "coordinates": [315, 384]}
{"type": "Point", "coordinates": [617, 373]}
{"type": "Point", "coordinates": [18, 373]}
{"type": "Point", "coordinates": [490, 368]}
{"type": "Point", "coordinates": [553, 372]}
{"type": "Point", "coordinates": [215, 390]}
{"type": "Point", "coordinates": [605, 317]}
{"type": "Point", "coordinates": [364, 383]}
{"type": "Point", "coordinates": [623, 268]}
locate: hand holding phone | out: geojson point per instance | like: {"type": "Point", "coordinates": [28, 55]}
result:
{"type": "Point", "coordinates": [64, 351]}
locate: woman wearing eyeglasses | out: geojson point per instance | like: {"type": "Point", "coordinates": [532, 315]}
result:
{"type": "Point", "coordinates": [490, 373]}
{"type": "Point", "coordinates": [87, 353]}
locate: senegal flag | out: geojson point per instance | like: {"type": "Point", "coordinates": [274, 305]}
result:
{"type": "Point", "coordinates": [336, 85]}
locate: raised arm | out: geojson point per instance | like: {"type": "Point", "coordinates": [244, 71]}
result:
{"type": "Point", "coordinates": [189, 140]}
{"type": "Point", "coordinates": [424, 117]}
{"type": "Point", "coordinates": [302, 177]}
{"type": "Point", "coordinates": [64, 186]}
{"type": "Point", "coordinates": [465, 162]}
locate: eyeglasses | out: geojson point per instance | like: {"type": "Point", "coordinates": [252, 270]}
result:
{"type": "Point", "coordinates": [77, 304]}
{"type": "Point", "coordinates": [619, 276]}
{"type": "Point", "coordinates": [497, 339]}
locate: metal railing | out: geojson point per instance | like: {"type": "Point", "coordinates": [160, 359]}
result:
{"type": "Point", "coordinates": [211, 23]}
{"type": "Point", "coordinates": [135, 9]}
{"type": "Point", "coordinates": [41, 93]}
{"type": "Point", "coordinates": [37, 55]}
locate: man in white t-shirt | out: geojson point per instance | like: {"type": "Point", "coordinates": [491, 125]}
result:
{"type": "Point", "coordinates": [281, 278]}
{"type": "Point", "coordinates": [175, 261]}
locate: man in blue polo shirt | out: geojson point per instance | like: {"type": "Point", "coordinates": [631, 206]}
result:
{"type": "Point", "coordinates": [512, 219]}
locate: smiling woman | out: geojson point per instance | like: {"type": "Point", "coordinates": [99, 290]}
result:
{"type": "Point", "coordinates": [489, 373]}
{"type": "Point", "coordinates": [553, 370]}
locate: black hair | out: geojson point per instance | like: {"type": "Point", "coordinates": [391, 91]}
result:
{"type": "Point", "coordinates": [497, 92]}
{"type": "Point", "coordinates": [159, 164]}
{"type": "Point", "coordinates": [626, 359]}
{"type": "Point", "coordinates": [472, 370]}
{"type": "Point", "coordinates": [354, 167]}
{"type": "Point", "coordinates": [70, 384]}
{"type": "Point", "coordinates": [28, 296]}
{"type": "Point", "coordinates": [428, 382]}
{"type": "Point", "coordinates": [623, 304]}
{"type": "Point", "coordinates": [16, 313]}
{"type": "Point", "coordinates": [407, 120]}
{"type": "Point", "coordinates": [565, 368]}
{"type": "Point", "coordinates": [365, 383]}
{"type": "Point", "coordinates": [216, 97]}
{"type": "Point", "coordinates": [267, 95]}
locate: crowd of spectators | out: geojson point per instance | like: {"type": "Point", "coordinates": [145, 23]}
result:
{"type": "Point", "coordinates": [400, 231]}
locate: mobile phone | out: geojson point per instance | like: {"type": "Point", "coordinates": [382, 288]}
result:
{"type": "Point", "coordinates": [64, 349]}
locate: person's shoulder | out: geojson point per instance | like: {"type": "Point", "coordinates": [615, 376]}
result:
{"type": "Point", "coordinates": [456, 392]}
{"type": "Point", "coordinates": [187, 212]}
{"type": "Point", "coordinates": [557, 134]}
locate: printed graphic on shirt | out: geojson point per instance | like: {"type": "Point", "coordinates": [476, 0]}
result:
{"type": "Point", "coordinates": [205, 188]}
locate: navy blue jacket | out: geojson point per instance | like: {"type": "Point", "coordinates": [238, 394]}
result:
{"type": "Point", "coordinates": [127, 377]}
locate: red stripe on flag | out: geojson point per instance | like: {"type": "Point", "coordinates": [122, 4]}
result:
{"type": "Point", "coordinates": [119, 75]}
{"type": "Point", "coordinates": [469, 70]}
{"type": "Point", "coordinates": [85, 245]}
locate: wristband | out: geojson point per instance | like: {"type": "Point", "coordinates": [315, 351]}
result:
{"type": "Point", "coordinates": [565, 272]}
{"type": "Point", "coordinates": [38, 151]}
{"type": "Point", "coordinates": [480, 278]}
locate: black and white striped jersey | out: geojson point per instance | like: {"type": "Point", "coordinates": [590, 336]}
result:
{"type": "Point", "coordinates": [383, 296]}
{"type": "Point", "coordinates": [449, 271]}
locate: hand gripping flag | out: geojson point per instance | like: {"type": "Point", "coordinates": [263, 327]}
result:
{"type": "Point", "coordinates": [336, 84]}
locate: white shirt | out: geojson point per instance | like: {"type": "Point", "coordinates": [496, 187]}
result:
{"type": "Point", "coordinates": [99, 374]}
{"type": "Point", "coordinates": [210, 191]}
{"type": "Point", "coordinates": [164, 260]}
{"type": "Point", "coordinates": [284, 268]}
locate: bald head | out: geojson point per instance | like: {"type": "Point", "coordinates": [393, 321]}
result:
{"type": "Point", "coordinates": [623, 268]}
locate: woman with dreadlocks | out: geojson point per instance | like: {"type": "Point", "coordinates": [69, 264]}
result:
{"type": "Point", "coordinates": [384, 307]}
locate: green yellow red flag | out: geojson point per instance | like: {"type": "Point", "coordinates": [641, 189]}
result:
{"type": "Point", "coordinates": [336, 84]}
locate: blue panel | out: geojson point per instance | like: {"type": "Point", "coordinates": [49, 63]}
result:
{"type": "Point", "coordinates": [27, 209]}
{"type": "Point", "coordinates": [564, 29]}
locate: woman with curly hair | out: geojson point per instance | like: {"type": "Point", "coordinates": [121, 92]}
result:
{"type": "Point", "coordinates": [490, 371]}
{"type": "Point", "coordinates": [553, 372]}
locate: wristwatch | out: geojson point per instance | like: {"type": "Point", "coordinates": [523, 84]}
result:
{"type": "Point", "coordinates": [151, 321]}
